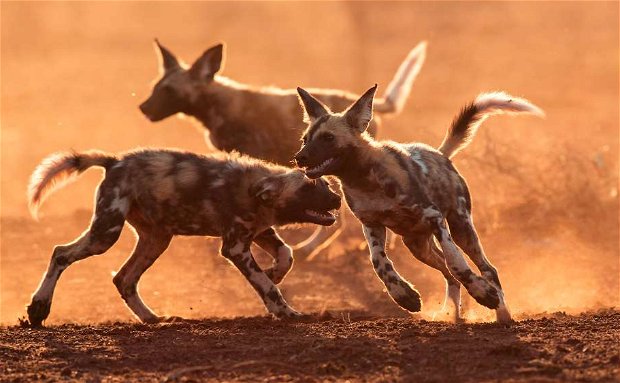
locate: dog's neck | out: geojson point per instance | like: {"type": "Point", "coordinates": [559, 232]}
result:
{"type": "Point", "coordinates": [219, 103]}
{"type": "Point", "coordinates": [360, 161]}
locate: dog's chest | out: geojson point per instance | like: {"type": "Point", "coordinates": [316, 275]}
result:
{"type": "Point", "coordinates": [377, 209]}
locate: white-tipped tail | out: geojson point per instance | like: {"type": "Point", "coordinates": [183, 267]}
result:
{"type": "Point", "coordinates": [468, 121]}
{"type": "Point", "coordinates": [503, 103]}
{"type": "Point", "coordinates": [57, 170]}
{"type": "Point", "coordinates": [398, 90]}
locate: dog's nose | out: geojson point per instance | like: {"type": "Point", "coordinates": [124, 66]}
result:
{"type": "Point", "coordinates": [143, 107]}
{"type": "Point", "coordinates": [301, 159]}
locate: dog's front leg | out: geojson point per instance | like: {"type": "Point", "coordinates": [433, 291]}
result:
{"type": "Point", "coordinates": [399, 289]}
{"type": "Point", "coordinates": [282, 254]}
{"type": "Point", "coordinates": [236, 248]}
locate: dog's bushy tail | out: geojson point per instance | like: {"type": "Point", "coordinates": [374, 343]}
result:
{"type": "Point", "coordinates": [58, 169]}
{"type": "Point", "coordinates": [468, 121]}
{"type": "Point", "coordinates": [398, 90]}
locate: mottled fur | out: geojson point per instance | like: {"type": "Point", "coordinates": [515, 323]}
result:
{"type": "Point", "coordinates": [262, 122]}
{"type": "Point", "coordinates": [163, 193]}
{"type": "Point", "coordinates": [412, 189]}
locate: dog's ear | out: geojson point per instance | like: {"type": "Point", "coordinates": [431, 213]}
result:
{"type": "Point", "coordinates": [360, 113]}
{"type": "Point", "coordinates": [266, 190]}
{"type": "Point", "coordinates": [313, 108]}
{"type": "Point", "coordinates": [209, 63]}
{"type": "Point", "coordinates": [167, 61]}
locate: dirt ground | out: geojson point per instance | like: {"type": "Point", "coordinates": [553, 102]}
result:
{"type": "Point", "coordinates": [545, 192]}
{"type": "Point", "coordinates": [334, 347]}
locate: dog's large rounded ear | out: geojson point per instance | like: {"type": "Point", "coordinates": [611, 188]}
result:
{"type": "Point", "coordinates": [266, 190]}
{"type": "Point", "coordinates": [167, 61]}
{"type": "Point", "coordinates": [207, 65]}
{"type": "Point", "coordinates": [360, 113]}
{"type": "Point", "coordinates": [313, 108]}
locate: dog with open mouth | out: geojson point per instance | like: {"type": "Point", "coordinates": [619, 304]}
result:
{"type": "Point", "coordinates": [412, 189]}
{"type": "Point", "coordinates": [163, 193]}
{"type": "Point", "coordinates": [260, 121]}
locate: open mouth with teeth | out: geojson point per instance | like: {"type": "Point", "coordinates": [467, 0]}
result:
{"type": "Point", "coordinates": [321, 169]}
{"type": "Point", "coordinates": [324, 218]}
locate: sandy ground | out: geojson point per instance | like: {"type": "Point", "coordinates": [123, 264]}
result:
{"type": "Point", "coordinates": [545, 192]}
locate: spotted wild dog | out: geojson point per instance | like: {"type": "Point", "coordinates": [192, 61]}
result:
{"type": "Point", "coordinates": [262, 122]}
{"type": "Point", "coordinates": [412, 189]}
{"type": "Point", "coordinates": [163, 193]}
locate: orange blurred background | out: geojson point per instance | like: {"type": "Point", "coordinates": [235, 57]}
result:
{"type": "Point", "coordinates": [545, 191]}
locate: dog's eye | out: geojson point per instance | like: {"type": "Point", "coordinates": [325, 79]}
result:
{"type": "Point", "coordinates": [327, 137]}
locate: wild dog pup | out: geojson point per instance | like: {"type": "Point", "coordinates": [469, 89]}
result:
{"type": "Point", "coordinates": [412, 189]}
{"type": "Point", "coordinates": [262, 122]}
{"type": "Point", "coordinates": [163, 193]}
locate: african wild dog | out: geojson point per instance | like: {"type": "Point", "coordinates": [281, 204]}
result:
{"type": "Point", "coordinates": [163, 193]}
{"type": "Point", "coordinates": [412, 189]}
{"type": "Point", "coordinates": [262, 122]}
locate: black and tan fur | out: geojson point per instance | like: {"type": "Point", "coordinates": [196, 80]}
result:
{"type": "Point", "coordinates": [412, 189]}
{"type": "Point", "coordinates": [262, 122]}
{"type": "Point", "coordinates": [163, 193]}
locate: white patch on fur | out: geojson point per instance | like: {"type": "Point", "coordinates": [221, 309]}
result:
{"type": "Point", "coordinates": [397, 290]}
{"type": "Point", "coordinates": [164, 189]}
{"type": "Point", "coordinates": [417, 158]}
{"type": "Point", "coordinates": [120, 204]}
{"type": "Point", "coordinates": [48, 284]}
{"type": "Point", "coordinates": [479, 287]}
{"type": "Point", "coordinates": [237, 249]}
{"type": "Point", "coordinates": [115, 228]}
{"type": "Point", "coordinates": [452, 302]}
{"type": "Point", "coordinates": [218, 182]}
{"type": "Point", "coordinates": [503, 313]}
{"type": "Point", "coordinates": [139, 308]}
{"type": "Point", "coordinates": [283, 262]}
{"type": "Point", "coordinates": [461, 207]}
{"type": "Point", "coordinates": [431, 213]}
{"type": "Point", "coordinates": [187, 174]}
{"type": "Point", "coordinates": [453, 297]}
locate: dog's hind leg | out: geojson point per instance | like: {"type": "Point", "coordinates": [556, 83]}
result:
{"type": "Point", "coordinates": [282, 254]}
{"type": "Point", "coordinates": [425, 250]}
{"type": "Point", "coordinates": [478, 287]}
{"type": "Point", "coordinates": [149, 247]}
{"type": "Point", "coordinates": [399, 289]}
{"type": "Point", "coordinates": [466, 237]}
{"type": "Point", "coordinates": [105, 228]}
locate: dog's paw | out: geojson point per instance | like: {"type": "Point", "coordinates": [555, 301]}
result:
{"type": "Point", "coordinates": [38, 311]}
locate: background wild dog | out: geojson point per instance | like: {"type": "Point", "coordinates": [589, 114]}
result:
{"type": "Point", "coordinates": [262, 122]}
{"type": "Point", "coordinates": [163, 193]}
{"type": "Point", "coordinates": [412, 189]}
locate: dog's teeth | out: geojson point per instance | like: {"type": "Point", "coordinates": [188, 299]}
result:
{"type": "Point", "coordinates": [318, 214]}
{"type": "Point", "coordinates": [322, 166]}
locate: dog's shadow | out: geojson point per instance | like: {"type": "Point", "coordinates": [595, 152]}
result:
{"type": "Point", "coordinates": [334, 345]}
